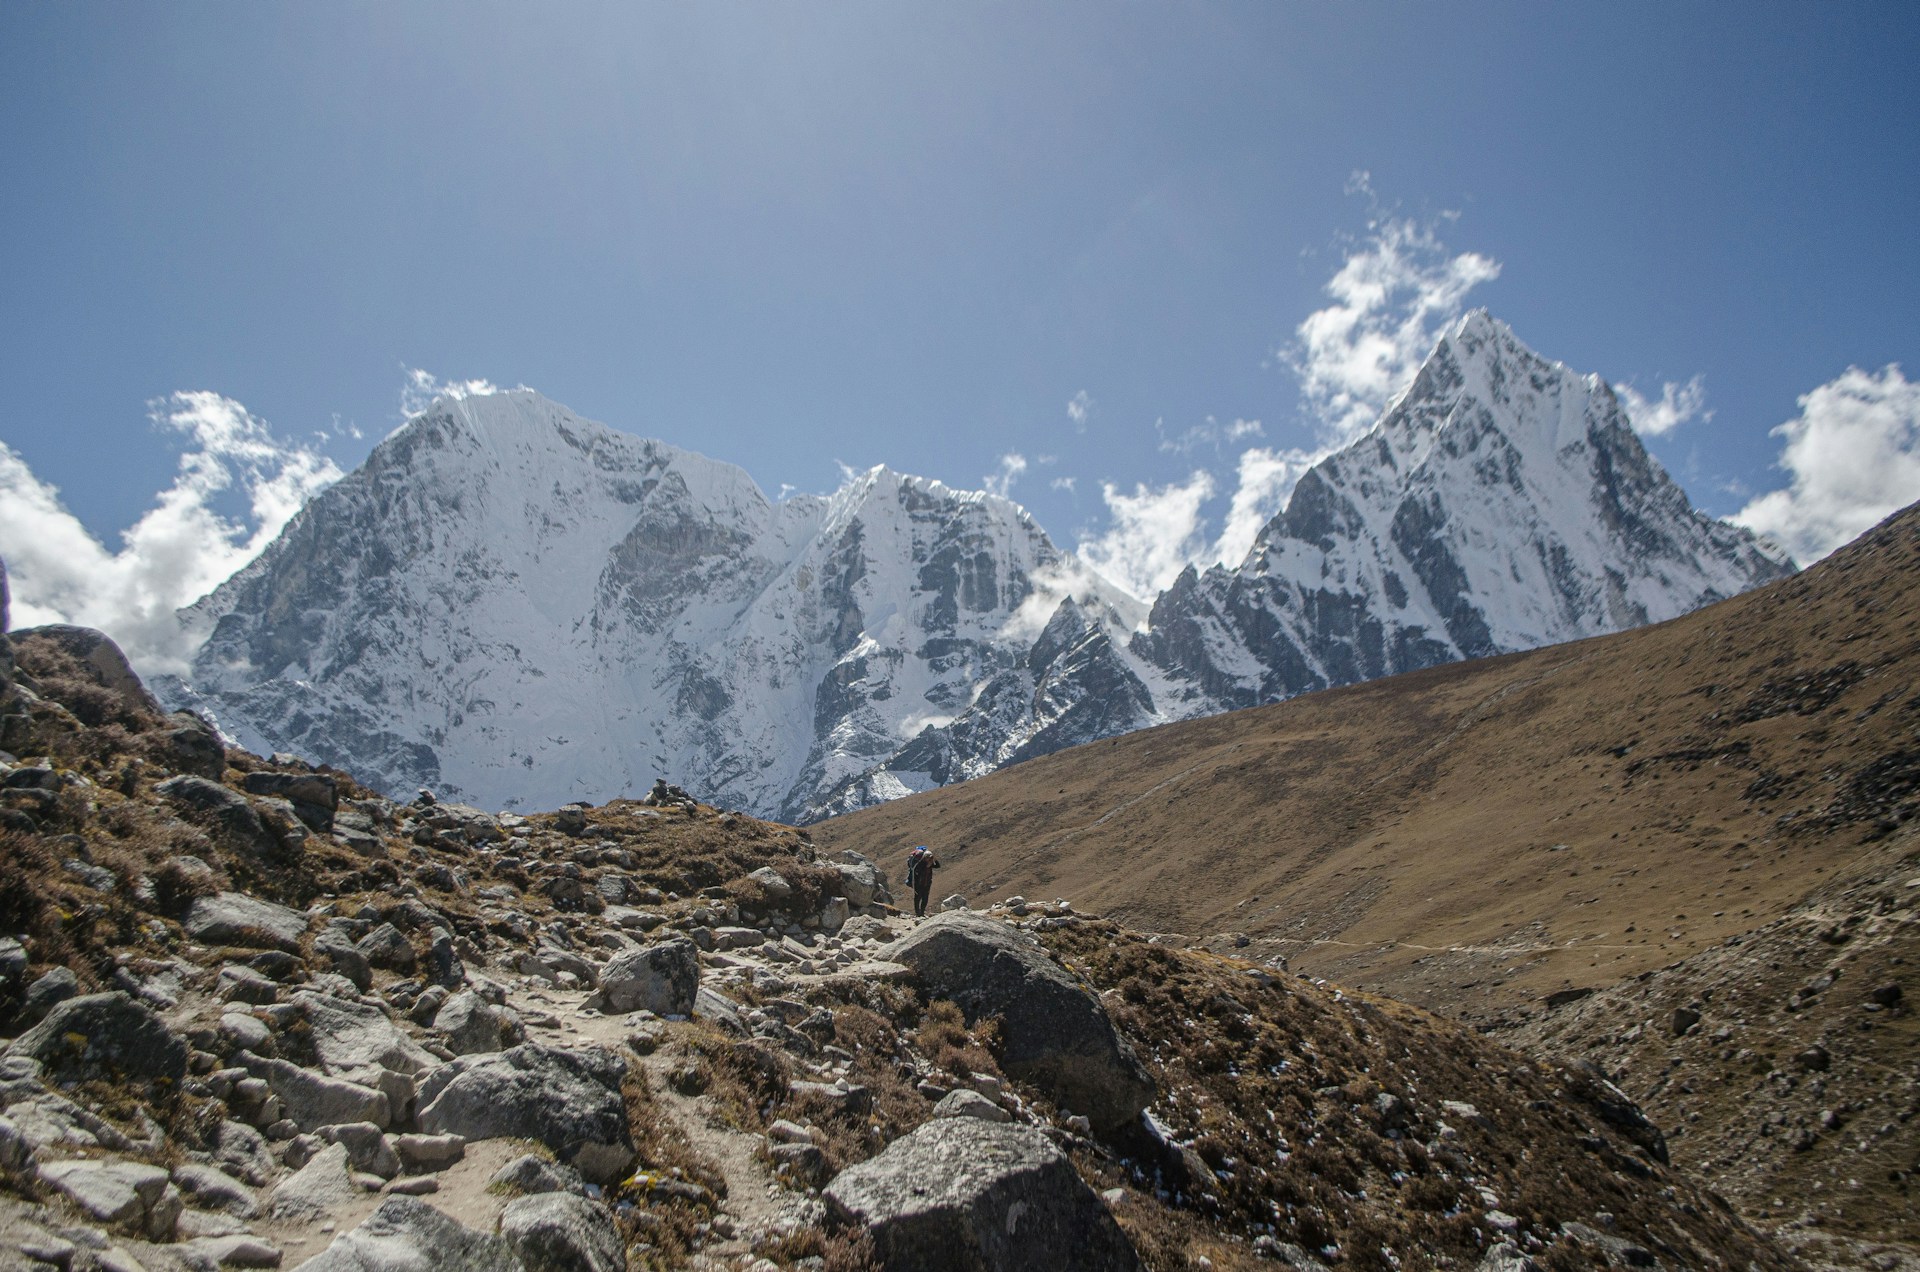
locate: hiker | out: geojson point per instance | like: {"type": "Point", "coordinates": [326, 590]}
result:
{"type": "Point", "coordinates": [921, 863]}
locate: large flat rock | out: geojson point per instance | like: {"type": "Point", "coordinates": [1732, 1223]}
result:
{"type": "Point", "coordinates": [963, 1195]}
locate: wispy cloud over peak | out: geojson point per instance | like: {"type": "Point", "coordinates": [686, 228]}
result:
{"type": "Point", "coordinates": [1394, 294]}
{"type": "Point", "coordinates": [420, 389]}
{"type": "Point", "coordinates": [1676, 405]}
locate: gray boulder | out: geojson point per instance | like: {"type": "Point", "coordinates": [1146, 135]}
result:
{"type": "Point", "coordinates": [560, 1232]}
{"type": "Point", "coordinates": [223, 809]}
{"type": "Point", "coordinates": [232, 918]}
{"type": "Point", "coordinates": [964, 1103]}
{"type": "Point", "coordinates": [312, 795]}
{"type": "Point", "coordinates": [193, 746]}
{"type": "Point", "coordinates": [367, 1147]}
{"type": "Point", "coordinates": [663, 978]}
{"type": "Point", "coordinates": [962, 1195]}
{"type": "Point", "coordinates": [408, 1235]}
{"type": "Point", "coordinates": [1055, 1033]}
{"type": "Point", "coordinates": [314, 1100]}
{"type": "Point", "coordinates": [357, 1041]}
{"type": "Point", "coordinates": [569, 1100]}
{"type": "Point", "coordinates": [473, 1025]}
{"type": "Point", "coordinates": [318, 1189]}
{"type": "Point", "coordinates": [861, 882]}
{"type": "Point", "coordinates": [130, 1196]}
{"type": "Point", "coordinates": [345, 957]}
{"type": "Point", "coordinates": [387, 946]}
{"type": "Point", "coordinates": [55, 987]}
{"type": "Point", "coordinates": [214, 1189]}
{"type": "Point", "coordinates": [104, 1036]}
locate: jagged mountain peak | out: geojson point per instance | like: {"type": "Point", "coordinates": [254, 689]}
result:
{"type": "Point", "coordinates": [523, 607]}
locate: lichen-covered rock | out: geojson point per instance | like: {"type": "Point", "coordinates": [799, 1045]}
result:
{"type": "Point", "coordinates": [568, 1100]}
{"type": "Point", "coordinates": [104, 1036]}
{"type": "Point", "coordinates": [561, 1232]}
{"type": "Point", "coordinates": [1055, 1033]}
{"type": "Point", "coordinates": [962, 1195]}
{"type": "Point", "coordinates": [663, 978]}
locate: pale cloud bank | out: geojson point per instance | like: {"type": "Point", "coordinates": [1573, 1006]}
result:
{"type": "Point", "coordinates": [1392, 297]}
{"type": "Point", "coordinates": [1852, 457]}
{"type": "Point", "coordinates": [180, 550]}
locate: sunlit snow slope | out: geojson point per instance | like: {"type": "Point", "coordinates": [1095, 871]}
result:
{"type": "Point", "coordinates": [520, 607]}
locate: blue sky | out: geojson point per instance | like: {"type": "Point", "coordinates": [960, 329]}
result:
{"type": "Point", "coordinates": [799, 236]}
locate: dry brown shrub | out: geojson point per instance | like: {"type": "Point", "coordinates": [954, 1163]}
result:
{"type": "Point", "coordinates": [669, 1228]}
{"type": "Point", "coordinates": [945, 1039]}
{"type": "Point", "coordinates": [28, 906]}
{"type": "Point", "coordinates": [848, 1251]}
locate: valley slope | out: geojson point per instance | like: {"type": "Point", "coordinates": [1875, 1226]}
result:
{"type": "Point", "coordinates": [1475, 836]}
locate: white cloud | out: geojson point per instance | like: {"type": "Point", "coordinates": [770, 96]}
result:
{"type": "Point", "coordinates": [1080, 410]}
{"type": "Point", "coordinates": [420, 388]}
{"type": "Point", "coordinates": [1062, 483]}
{"type": "Point", "coordinates": [1001, 483]}
{"type": "Point", "coordinates": [1677, 404]}
{"type": "Point", "coordinates": [180, 550]}
{"type": "Point", "coordinates": [1393, 294]}
{"type": "Point", "coordinates": [1210, 432]}
{"type": "Point", "coordinates": [1392, 297]}
{"type": "Point", "coordinates": [1154, 534]}
{"type": "Point", "coordinates": [1853, 457]}
{"type": "Point", "coordinates": [1266, 478]}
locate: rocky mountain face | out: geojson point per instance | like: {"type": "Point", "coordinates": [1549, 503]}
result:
{"type": "Point", "coordinates": [253, 1014]}
{"type": "Point", "coordinates": [521, 607]}
{"type": "Point", "coordinates": [511, 604]}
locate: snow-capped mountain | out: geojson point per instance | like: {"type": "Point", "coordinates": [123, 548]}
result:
{"type": "Point", "coordinates": [514, 605]}
{"type": "Point", "coordinates": [520, 607]}
{"type": "Point", "coordinates": [1502, 503]}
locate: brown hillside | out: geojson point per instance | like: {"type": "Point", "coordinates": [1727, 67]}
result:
{"type": "Point", "coordinates": [1476, 836]}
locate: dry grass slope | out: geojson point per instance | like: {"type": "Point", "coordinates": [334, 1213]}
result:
{"type": "Point", "coordinates": [1474, 837]}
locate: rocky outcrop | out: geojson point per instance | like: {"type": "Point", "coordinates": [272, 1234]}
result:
{"type": "Point", "coordinates": [106, 1036]}
{"type": "Point", "coordinates": [568, 1100]}
{"type": "Point", "coordinates": [963, 1195]}
{"type": "Point", "coordinates": [98, 657]}
{"type": "Point", "coordinates": [1055, 1033]}
{"type": "Point", "coordinates": [663, 979]}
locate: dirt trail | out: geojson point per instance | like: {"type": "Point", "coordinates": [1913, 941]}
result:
{"type": "Point", "coordinates": [754, 1203]}
{"type": "Point", "coordinates": [752, 1199]}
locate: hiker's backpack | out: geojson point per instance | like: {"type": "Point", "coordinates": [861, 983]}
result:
{"type": "Point", "coordinates": [914, 859]}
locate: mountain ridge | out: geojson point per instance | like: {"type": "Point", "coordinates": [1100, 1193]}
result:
{"type": "Point", "coordinates": [562, 611]}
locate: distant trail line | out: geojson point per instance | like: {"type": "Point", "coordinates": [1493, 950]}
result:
{"type": "Point", "coordinates": [1447, 949]}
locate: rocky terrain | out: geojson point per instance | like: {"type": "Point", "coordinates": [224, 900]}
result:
{"type": "Point", "coordinates": [257, 1015]}
{"type": "Point", "coordinates": [521, 607]}
{"type": "Point", "coordinates": [1782, 1061]}
{"type": "Point", "coordinates": [1580, 850]}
